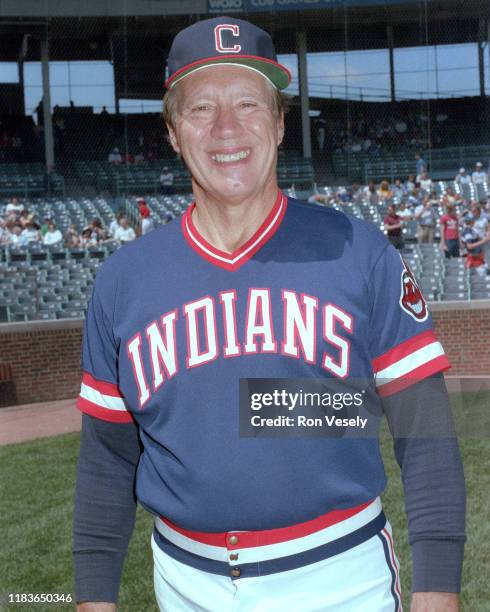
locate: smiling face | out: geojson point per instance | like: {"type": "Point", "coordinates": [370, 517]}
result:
{"type": "Point", "coordinates": [227, 131]}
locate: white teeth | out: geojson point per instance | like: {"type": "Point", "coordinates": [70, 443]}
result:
{"type": "Point", "coordinates": [230, 157]}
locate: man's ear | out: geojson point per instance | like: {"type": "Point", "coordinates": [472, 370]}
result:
{"type": "Point", "coordinates": [173, 139]}
{"type": "Point", "coordinates": [280, 128]}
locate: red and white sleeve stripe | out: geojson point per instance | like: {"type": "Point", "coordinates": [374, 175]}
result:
{"type": "Point", "coordinates": [409, 362]}
{"type": "Point", "coordinates": [102, 400]}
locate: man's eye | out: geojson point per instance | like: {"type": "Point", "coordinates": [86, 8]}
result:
{"type": "Point", "coordinates": [247, 104]}
{"type": "Point", "coordinates": [201, 108]}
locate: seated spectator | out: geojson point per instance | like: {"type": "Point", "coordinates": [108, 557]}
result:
{"type": "Point", "coordinates": [14, 207]}
{"type": "Point", "coordinates": [404, 212]}
{"type": "Point", "coordinates": [124, 233]}
{"type": "Point", "coordinates": [479, 176]}
{"type": "Point", "coordinates": [114, 156]}
{"type": "Point", "coordinates": [86, 238]}
{"type": "Point", "coordinates": [115, 222]}
{"type": "Point", "coordinates": [449, 222]}
{"type": "Point", "coordinates": [410, 184]}
{"type": "Point", "coordinates": [25, 217]}
{"type": "Point", "coordinates": [434, 199]}
{"type": "Point", "coordinates": [99, 233]}
{"type": "Point", "coordinates": [72, 239]}
{"type": "Point", "coordinates": [393, 227]}
{"type": "Point", "coordinates": [414, 198]}
{"type": "Point", "coordinates": [29, 234]}
{"type": "Point", "coordinates": [12, 234]}
{"type": "Point", "coordinates": [475, 256]}
{"type": "Point", "coordinates": [451, 197]}
{"type": "Point", "coordinates": [44, 226]}
{"type": "Point", "coordinates": [462, 178]}
{"type": "Point", "coordinates": [384, 191]}
{"type": "Point", "coordinates": [53, 235]}
{"type": "Point", "coordinates": [167, 181]}
{"type": "Point", "coordinates": [397, 189]}
{"type": "Point", "coordinates": [371, 194]}
{"type": "Point", "coordinates": [425, 215]}
{"type": "Point", "coordinates": [426, 183]}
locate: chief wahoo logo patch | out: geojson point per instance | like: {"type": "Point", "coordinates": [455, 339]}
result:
{"type": "Point", "coordinates": [411, 299]}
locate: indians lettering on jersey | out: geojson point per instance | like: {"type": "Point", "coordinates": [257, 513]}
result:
{"type": "Point", "coordinates": [301, 316]}
{"type": "Point", "coordinates": [411, 299]}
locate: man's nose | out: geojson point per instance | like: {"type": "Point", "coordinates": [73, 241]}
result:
{"type": "Point", "coordinates": [226, 123]}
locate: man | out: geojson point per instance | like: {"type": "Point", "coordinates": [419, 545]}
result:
{"type": "Point", "coordinates": [53, 235]}
{"type": "Point", "coordinates": [479, 176]}
{"type": "Point", "coordinates": [398, 190]}
{"type": "Point", "coordinates": [474, 244]}
{"type": "Point", "coordinates": [426, 217]}
{"type": "Point", "coordinates": [167, 181]}
{"type": "Point", "coordinates": [420, 166]}
{"type": "Point", "coordinates": [14, 207]}
{"type": "Point", "coordinates": [29, 234]}
{"type": "Point", "coordinates": [393, 227]}
{"type": "Point", "coordinates": [146, 222]}
{"type": "Point", "coordinates": [124, 233]}
{"type": "Point", "coordinates": [426, 184]}
{"type": "Point", "coordinates": [462, 178]}
{"type": "Point", "coordinates": [404, 212]}
{"type": "Point", "coordinates": [480, 220]}
{"type": "Point", "coordinates": [449, 223]}
{"type": "Point", "coordinates": [410, 184]}
{"type": "Point", "coordinates": [253, 284]}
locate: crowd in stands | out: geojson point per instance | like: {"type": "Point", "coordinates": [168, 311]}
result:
{"type": "Point", "coordinates": [383, 130]}
{"type": "Point", "coordinates": [19, 227]}
{"type": "Point", "coordinates": [81, 133]}
{"type": "Point", "coordinates": [462, 223]}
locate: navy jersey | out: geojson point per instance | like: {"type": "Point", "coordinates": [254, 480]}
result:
{"type": "Point", "coordinates": [174, 323]}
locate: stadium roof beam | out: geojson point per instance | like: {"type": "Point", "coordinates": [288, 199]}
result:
{"type": "Point", "coordinates": [301, 44]}
{"type": "Point", "coordinates": [48, 123]}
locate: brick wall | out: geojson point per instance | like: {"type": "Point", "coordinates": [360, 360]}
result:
{"type": "Point", "coordinates": [45, 356]}
{"type": "Point", "coordinates": [465, 335]}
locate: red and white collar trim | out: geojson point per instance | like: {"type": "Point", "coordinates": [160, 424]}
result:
{"type": "Point", "coordinates": [232, 261]}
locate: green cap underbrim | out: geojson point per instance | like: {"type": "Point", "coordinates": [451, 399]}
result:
{"type": "Point", "coordinates": [278, 75]}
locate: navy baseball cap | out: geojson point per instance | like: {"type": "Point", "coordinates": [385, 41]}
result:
{"type": "Point", "coordinates": [224, 40]}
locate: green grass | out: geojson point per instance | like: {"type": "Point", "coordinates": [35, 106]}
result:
{"type": "Point", "coordinates": [37, 481]}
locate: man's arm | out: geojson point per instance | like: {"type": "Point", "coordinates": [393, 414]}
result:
{"type": "Point", "coordinates": [427, 452]}
{"type": "Point", "coordinates": [391, 227]}
{"type": "Point", "coordinates": [105, 507]}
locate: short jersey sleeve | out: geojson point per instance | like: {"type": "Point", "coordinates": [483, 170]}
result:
{"type": "Point", "coordinates": [99, 394]}
{"type": "Point", "coordinates": [403, 346]}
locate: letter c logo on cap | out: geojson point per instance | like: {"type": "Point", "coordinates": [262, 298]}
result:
{"type": "Point", "coordinates": [234, 29]}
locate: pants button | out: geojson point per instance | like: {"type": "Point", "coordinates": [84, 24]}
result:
{"type": "Point", "coordinates": [235, 572]}
{"type": "Point", "coordinates": [233, 556]}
